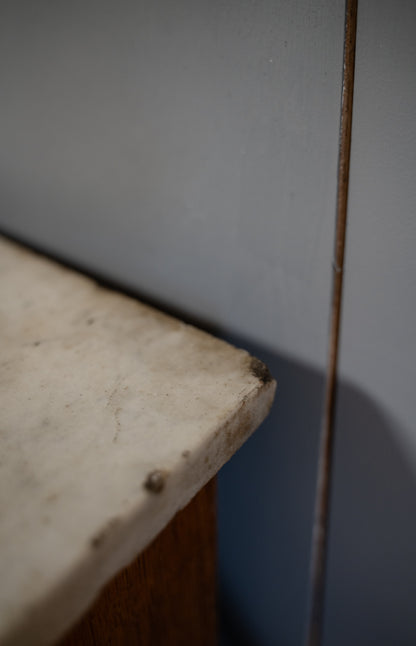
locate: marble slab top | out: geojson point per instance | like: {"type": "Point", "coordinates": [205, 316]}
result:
{"type": "Point", "coordinates": [113, 416]}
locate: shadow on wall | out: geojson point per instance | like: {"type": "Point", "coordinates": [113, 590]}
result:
{"type": "Point", "coordinates": [372, 558]}
{"type": "Point", "coordinates": [265, 513]}
{"type": "Point", "coordinates": [265, 510]}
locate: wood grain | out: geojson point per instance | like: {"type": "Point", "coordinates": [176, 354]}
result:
{"type": "Point", "coordinates": [168, 594]}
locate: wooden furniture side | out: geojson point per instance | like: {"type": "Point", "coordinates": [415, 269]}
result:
{"type": "Point", "coordinates": [167, 596]}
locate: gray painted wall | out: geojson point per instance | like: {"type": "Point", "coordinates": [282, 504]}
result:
{"type": "Point", "coordinates": [181, 147]}
{"type": "Point", "coordinates": [372, 578]}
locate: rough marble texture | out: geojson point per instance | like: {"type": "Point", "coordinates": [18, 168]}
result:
{"type": "Point", "coordinates": [113, 416]}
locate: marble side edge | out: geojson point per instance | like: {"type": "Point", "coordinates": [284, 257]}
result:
{"type": "Point", "coordinates": [68, 601]}
{"type": "Point", "coordinates": [119, 538]}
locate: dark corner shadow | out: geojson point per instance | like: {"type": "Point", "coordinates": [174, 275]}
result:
{"type": "Point", "coordinates": [265, 508]}
{"type": "Point", "coordinates": [266, 499]}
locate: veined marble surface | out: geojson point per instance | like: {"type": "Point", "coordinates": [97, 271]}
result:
{"type": "Point", "coordinates": [113, 415]}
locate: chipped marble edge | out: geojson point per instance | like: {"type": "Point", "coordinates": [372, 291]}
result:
{"type": "Point", "coordinates": [116, 545]}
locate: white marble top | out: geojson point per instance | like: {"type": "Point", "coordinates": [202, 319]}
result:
{"type": "Point", "coordinates": [113, 416]}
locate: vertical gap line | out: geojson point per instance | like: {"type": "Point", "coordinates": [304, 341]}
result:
{"type": "Point", "coordinates": [315, 618]}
